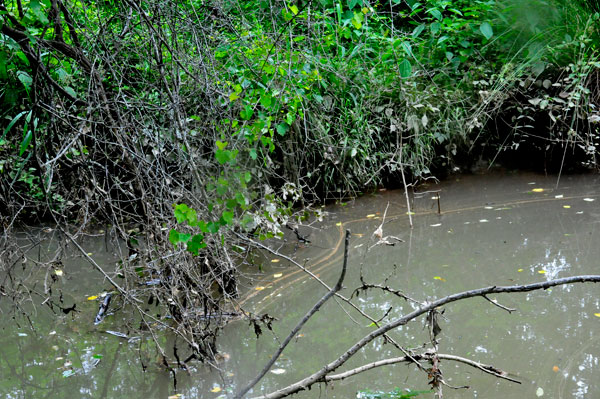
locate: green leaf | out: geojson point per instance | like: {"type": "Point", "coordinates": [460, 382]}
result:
{"type": "Point", "coordinates": [12, 123]}
{"type": "Point", "coordinates": [407, 48]}
{"type": "Point", "coordinates": [282, 128]}
{"type": "Point", "coordinates": [253, 153]}
{"type": "Point", "coordinates": [294, 9]}
{"type": "Point", "coordinates": [195, 244]}
{"type": "Point", "coordinates": [25, 79]}
{"type": "Point", "coordinates": [213, 227]}
{"type": "Point", "coordinates": [228, 217]}
{"type": "Point", "coordinates": [174, 237]}
{"type": "Point", "coordinates": [221, 144]}
{"type": "Point", "coordinates": [435, 13]}
{"type": "Point", "coordinates": [486, 29]}
{"type": "Point", "coordinates": [405, 68]}
{"type": "Point", "coordinates": [352, 3]}
{"type": "Point", "coordinates": [266, 100]}
{"type": "Point", "coordinates": [181, 212]}
{"type": "Point", "coordinates": [247, 112]}
{"type": "Point", "coordinates": [25, 142]}
{"type": "Point", "coordinates": [223, 156]}
{"type": "Point", "coordinates": [417, 31]}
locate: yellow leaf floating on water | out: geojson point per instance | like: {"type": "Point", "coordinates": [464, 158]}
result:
{"type": "Point", "coordinates": [541, 271]}
{"type": "Point", "coordinates": [175, 396]}
{"type": "Point", "coordinates": [338, 224]}
{"type": "Point", "coordinates": [259, 288]}
{"type": "Point", "coordinates": [539, 392]}
{"type": "Point", "coordinates": [555, 369]}
{"type": "Point", "coordinates": [91, 298]}
{"type": "Point", "coordinates": [216, 389]}
{"type": "Point", "coordinates": [520, 270]}
{"type": "Point", "coordinates": [274, 260]}
{"type": "Point", "coordinates": [538, 190]}
{"type": "Point", "coordinates": [277, 275]}
{"type": "Point", "coordinates": [278, 371]}
{"type": "Point", "coordinates": [371, 215]}
{"type": "Point", "coordinates": [58, 272]}
{"type": "Point", "coordinates": [597, 314]}
{"type": "Point", "coordinates": [410, 213]}
{"type": "Point", "coordinates": [566, 206]}
{"type": "Point", "coordinates": [439, 278]}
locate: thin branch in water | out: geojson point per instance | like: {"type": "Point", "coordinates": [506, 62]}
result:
{"type": "Point", "coordinates": [495, 303]}
{"type": "Point", "coordinates": [294, 332]}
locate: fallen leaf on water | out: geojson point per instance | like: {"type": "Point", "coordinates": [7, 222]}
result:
{"type": "Point", "coordinates": [274, 260]}
{"type": "Point", "coordinates": [483, 220]}
{"type": "Point", "coordinates": [58, 272]}
{"type": "Point", "coordinates": [359, 234]}
{"type": "Point", "coordinates": [588, 199]}
{"type": "Point", "coordinates": [259, 288]}
{"type": "Point", "coordinates": [439, 278]}
{"type": "Point", "coordinates": [22, 334]}
{"type": "Point", "coordinates": [559, 196]}
{"type": "Point", "coordinates": [579, 212]}
{"type": "Point", "coordinates": [216, 389]}
{"type": "Point", "coordinates": [410, 213]}
{"type": "Point", "coordinates": [555, 369]}
{"type": "Point", "coordinates": [597, 314]}
{"type": "Point", "coordinates": [55, 347]}
{"type": "Point", "coordinates": [174, 396]}
{"type": "Point", "coordinates": [277, 275]}
{"type": "Point", "coordinates": [435, 225]}
{"type": "Point", "coordinates": [566, 206]}
{"type": "Point", "coordinates": [537, 190]}
{"type": "Point", "coordinates": [229, 374]}
{"type": "Point", "coordinates": [371, 215]}
{"type": "Point", "coordinates": [338, 224]}
{"type": "Point", "coordinates": [91, 298]}
{"type": "Point", "coordinates": [539, 392]}
{"type": "Point", "coordinates": [278, 371]}
{"type": "Point", "coordinates": [299, 335]}
{"type": "Point", "coordinates": [488, 207]}
{"type": "Point", "coordinates": [531, 183]}
{"type": "Point", "coordinates": [541, 271]}
{"type": "Point", "coordinates": [89, 254]}
{"type": "Point", "coordinates": [520, 270]}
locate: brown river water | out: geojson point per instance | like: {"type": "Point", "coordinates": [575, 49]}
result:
{"type": "Point", "coordinates": [497, 229]}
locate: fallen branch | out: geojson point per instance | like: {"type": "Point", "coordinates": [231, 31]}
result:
{"type": "Point", "coordinates": [307, 316]}
{"type": "Point", "coordinates": [320, 376]}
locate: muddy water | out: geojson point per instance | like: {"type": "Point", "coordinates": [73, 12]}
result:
{"type": "Point", "coordinates": [500, 229]}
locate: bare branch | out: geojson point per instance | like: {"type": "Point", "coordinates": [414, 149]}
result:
{"type": "Point", "coordinates": [294, 332]}
{"type": "Point", "coordinates": [495, 302]}
{"type": "Point", "coordinates": [320, 375]}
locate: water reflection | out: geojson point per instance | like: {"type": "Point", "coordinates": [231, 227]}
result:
{"type": "Point", "coordinates": [492, 231]}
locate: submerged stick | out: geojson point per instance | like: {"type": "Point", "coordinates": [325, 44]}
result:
{"type": "Point", "coordinates": [307, 316]}
{"type": "Point", "coordinates": [405, 190]}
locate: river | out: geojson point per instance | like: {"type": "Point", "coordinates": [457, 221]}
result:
{"type": "Point", "coordinates": [497, 229]}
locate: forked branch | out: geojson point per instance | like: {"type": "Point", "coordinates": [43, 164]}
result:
{"type": "Point", "coordinates": [307, 316]}
{"type": "Point", "coordinates": [321, 375]}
